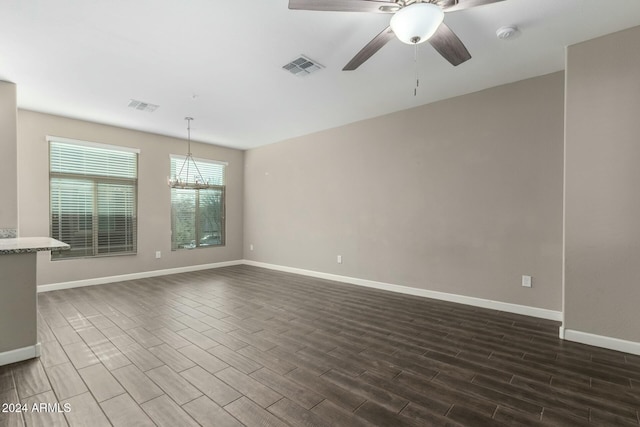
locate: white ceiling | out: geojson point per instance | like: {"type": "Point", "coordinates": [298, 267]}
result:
{"type": "Point", "coordinates": [220, 61]}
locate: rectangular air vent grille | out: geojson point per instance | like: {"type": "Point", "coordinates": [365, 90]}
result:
{"type": "Point", "coordinates": [142, 106]}
{"type": "Point", "coordinates": [302, 66]}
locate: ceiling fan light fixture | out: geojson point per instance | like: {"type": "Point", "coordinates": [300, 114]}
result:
{"type": "Point", "coordinates": [417, 22]}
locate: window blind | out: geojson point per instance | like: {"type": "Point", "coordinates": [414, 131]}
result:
{"type": "Point", "coordinates": [93, 198]}
{"type": "Point", "coordinates": [91, 160]}
{"type": "Point", "coordinates": [212, 172]}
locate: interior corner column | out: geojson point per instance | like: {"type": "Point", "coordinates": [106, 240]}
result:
{"type": "Point", "coordinates": [9, 160]}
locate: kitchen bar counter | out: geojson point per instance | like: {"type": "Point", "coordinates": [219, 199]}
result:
{"type": "Point", "coordinates": [18, 296]}
{"type": "Point", "coordinates": [20, 245]}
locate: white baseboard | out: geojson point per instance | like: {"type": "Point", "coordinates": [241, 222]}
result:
{"type": "Point", "coordinates": [133, 276]}
{"type": "Point", "coordinates": [462, 299]}
{"type": "Point", "coordinates": [602, 341]}
{"type": "Point", "coordinates": [568, 334]}
{"type": "Point", "coordinates": [19, 354]}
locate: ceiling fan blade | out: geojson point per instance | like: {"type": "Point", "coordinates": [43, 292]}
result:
{"type": "Point", "coordinates": [343, 5]}
{"type": "Point", "coordinates": [449, 45]}
{"type": "Point", "coordinates": [372, 47]}
{"type": "Point", "coordinates": [467, 4]}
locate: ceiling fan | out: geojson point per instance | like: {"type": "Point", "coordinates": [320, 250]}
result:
{"type": "Point", "coordinates": [413, 22]}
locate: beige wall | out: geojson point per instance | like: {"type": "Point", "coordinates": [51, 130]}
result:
{"type": "Point", "coordinates": [602, 198]}
{"type": "Point", "coordinates": [154, 214]}
{"type": "Point", "coordinates": [18, 317]}
{"type": "Point", "coordinates": [8, 156]}
{"type": "Point", "coordinates": [461, 196]}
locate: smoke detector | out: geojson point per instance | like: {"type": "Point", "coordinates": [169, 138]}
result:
{"type": "Point", "coordinates": [302, 66]}
{"type": "Point", "coordinates": [505, 33]}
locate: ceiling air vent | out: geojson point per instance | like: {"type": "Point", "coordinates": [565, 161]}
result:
{"type": "Point", "coordinates": [302, 66]}
{"type": "Point", "coordinates": [142, 106]}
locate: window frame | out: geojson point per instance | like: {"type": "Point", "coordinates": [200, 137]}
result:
{"type": "Point", "coordinates": [95, 180]}
{"type": "Point", "coordinates": [179, 158]}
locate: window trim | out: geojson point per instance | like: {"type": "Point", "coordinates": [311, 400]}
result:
{"type": "Point", "coordinates": [222, 188]}
{"type": "Point", "coordinates": [96, 180]}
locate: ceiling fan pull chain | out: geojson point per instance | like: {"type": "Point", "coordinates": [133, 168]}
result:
{"type": "Point", "coordinates": [415, 59]}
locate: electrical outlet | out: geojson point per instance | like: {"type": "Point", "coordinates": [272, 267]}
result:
{"type": "Point", "coordinates": [526, 281]}
{"type": "Point", "coordinates": [251, 247]}
{"type": "Point", "coordinates": [339, 259]}
{"type": "Point", "coordinates": [158, 254]}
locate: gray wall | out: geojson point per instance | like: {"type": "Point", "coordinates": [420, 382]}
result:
{"type": "Point", "coordinates": [602, 196]}
{"type": "Point", "coordinates": [154, 206]}
{"type": "Point", "coordinates": [461, 196]}
{"type": "Point", "coordinates": [8, 157]}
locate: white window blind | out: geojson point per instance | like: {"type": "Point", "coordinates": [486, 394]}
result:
{"type": "Point", "coordinates": [198, 215]}
{"type": "Point", "coordinates": [93, 192]}
{"type": "Point", "coordinates": [212, 171]}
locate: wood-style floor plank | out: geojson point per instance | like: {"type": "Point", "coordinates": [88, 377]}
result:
{"type": "Point", "coordinates": [179, 389]}
{"type": "Point", "coordinates": [251, 414]}
{"type": "Point", "coordinates": [211, 386]}
{"type": "Point", "coordinates": [166, 413]}
{"type": "Point", "coordinates": [247, 346]}
{"type": "Point", "coordinates": [66, 381]}
{"type": "Point", "coordinates": [255, 390]}
{"type": "Point", "coordinates": [30, 378]}
{"type": "Point", "coordinates": [209, 414]}
{"type": "Point", "coordinates": [43, 411]}
{"type": "Point", "coordinates": [123, 411]}
{"type": "Point", "coordinates": [85, 411]}
{"type": "Point", "coordinates": [137, 384]}
{"type": "Point", "coordinates": [101, 383]}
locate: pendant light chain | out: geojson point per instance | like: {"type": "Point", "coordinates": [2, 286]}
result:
{"type": "Point", "coordinates": [188, 119]}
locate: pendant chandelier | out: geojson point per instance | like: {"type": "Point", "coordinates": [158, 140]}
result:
{"type": "Point", "coordinates": [189, 169]}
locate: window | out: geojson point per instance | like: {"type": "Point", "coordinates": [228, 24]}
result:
{"type": "Point", "coordinates": [93, 192]}
{"type": "Point", "coordinates": [197, 214]}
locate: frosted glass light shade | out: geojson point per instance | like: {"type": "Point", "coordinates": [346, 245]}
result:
{"type": "Point", "coordinates": [417, 22]}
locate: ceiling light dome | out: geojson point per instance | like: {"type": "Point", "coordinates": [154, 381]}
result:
{"type": "Point", "coordinates": [417, 22]}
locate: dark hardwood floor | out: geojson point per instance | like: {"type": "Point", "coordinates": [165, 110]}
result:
{"type": "Point", "coordinates": [247, 346]}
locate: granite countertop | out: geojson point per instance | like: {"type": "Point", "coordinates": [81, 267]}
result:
{"type": "Point", "coordinates": [21, 245]}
